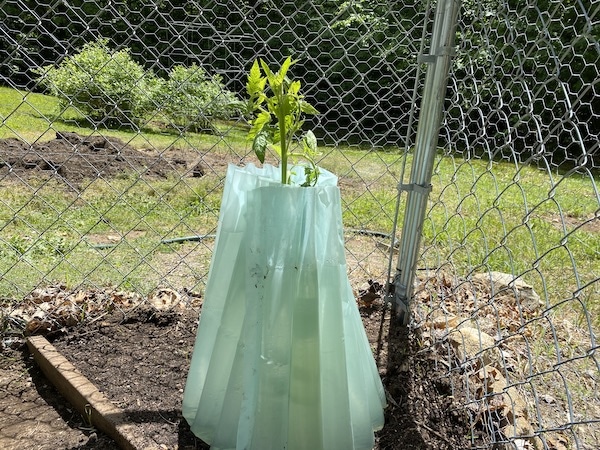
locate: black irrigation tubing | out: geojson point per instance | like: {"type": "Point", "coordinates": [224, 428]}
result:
{"type": "Point", "coordinates": [201, 237]}
{"type": "Point", "coordinates": [369, 233]}
{"type": "Point", "coordinates": [177, 240]}
{"type": "Point", "coordinates": [197, 238]}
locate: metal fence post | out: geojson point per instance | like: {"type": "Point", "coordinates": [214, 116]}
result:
{"type": "Point", "coordinates": [430, 118]}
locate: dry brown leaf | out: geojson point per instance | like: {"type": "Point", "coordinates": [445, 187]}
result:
{"type": "Point", "coordinates": [444, 322]}
{"type": "Point", "coordinates": [79, 297]}
{"type": "Point", "coordinates": [164, 299]}
{"type": "Point", "coordinates": [471, 343]}
{"type": "Point", "coordinates": [557, 442]}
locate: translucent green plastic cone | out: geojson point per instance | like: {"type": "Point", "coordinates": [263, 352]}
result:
{"type": "Point", "coordinates": [281, 359]}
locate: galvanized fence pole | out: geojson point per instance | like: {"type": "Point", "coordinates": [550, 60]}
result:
{"type": "Point", "coordinates": [430, 118]}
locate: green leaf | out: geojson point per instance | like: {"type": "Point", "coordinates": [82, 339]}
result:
{"type": "Point", "coordinates": [285, 67]}
{"type": "Point", "coordinates": [279, 106]}
{"type": "Point", "coordinates": [259, 124]}
{"type": "Point", "coordinates": [256, 82]}
{"type": "Point", "coordinates": [277, 148]}
{"type": "Point", "coordinates": [311, 175]}
{"type": "Point", "coordinates": [307, 108]}
{"type": "Point", "coordinates": [310, 140]}
{"type": "Point", "coordinates": [271, 77]}
{"type": "Point", "coordinates": [259, 145]}
{"type": "Point", "coordinates": [294, 88]}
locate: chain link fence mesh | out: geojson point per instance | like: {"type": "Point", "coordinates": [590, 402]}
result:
{"type": "Point", "coordinates": [509, 276]}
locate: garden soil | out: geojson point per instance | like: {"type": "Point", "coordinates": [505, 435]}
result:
{"type": "Point", "coordinates": [139, 360]}
{"type": "Point", "coordinates": [139, 356]}
{"type": "Point", "coordinates": [78, 160]}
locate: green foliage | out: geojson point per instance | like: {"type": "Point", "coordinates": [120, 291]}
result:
{"type": "Point", "coordinates": [102, 84]}
{"type": "Point", "coordinates": [279, 111]}
{"type": "Point", "coordinates": [545, 52]}
{"type": "Point", "coordinates": [361, 81]}
{"type": "Point", "coordinates": [192, 100]}
{"type": "Point", "coordinates": [354, 14]}
{"type": "Point", "coordinates": [106, 85]}
{"type": "Point", "coordinates": [54, 246]}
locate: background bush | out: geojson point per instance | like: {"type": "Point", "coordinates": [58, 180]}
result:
{"type": "Point", "coordinates": [110, 87]}
{"type": "Point", "coordinates": [190, 99]}
{"type": "Point", "coordinates": [104, 85]}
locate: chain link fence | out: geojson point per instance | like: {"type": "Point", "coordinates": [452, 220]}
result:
{"type": "Point", "coordinates": [120, 199]}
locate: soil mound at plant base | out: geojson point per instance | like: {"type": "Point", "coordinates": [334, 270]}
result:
{"type": "Point", "coordinates": [73, 158]}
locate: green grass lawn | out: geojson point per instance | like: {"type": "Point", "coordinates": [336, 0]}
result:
{"type": "Point", "coordinates": [482, 215]}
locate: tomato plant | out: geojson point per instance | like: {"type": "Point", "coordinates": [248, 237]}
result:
{"type": "Point", "coordinates": [278, 109]}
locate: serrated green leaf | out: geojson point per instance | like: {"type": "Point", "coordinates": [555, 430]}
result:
{"type": "Point", "coordinates": [259, 145]}
{"type": "Point", "coordinates": [307, 108]}
{"type": "Point", "coordinates": [256, 82]}
{"type": "Point", "coordinates": [279, 105]}
{"type": "Point", "coordinates": [271, 77]}
{"type": "Point", "coordinates": [310, 140]}
{"type": "Point", "coordinates": [259, 124]}
{"type": "Point", "coordinates": [294, 88]}
{"type": "Point", "coordinates": [285, 67]}
{"type": "Point", "coordinates": [311, 175]}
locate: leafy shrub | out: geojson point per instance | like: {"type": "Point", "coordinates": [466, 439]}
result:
{"type": "Point", "coordinates": [192, 100]}
{"type": "Point", "coordinates": [102, 84]}
{"type": "Point", "coordinates": [110, 86]}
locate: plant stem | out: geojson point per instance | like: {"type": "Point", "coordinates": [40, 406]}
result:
{"type": "Point", "coordinates": [284, 142]}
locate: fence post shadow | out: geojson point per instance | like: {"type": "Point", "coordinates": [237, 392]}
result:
{"type": "Point", "coordinates": [422, 401]}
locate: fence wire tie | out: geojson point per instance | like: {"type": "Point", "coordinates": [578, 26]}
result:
{"type": "Point", "coordinates": [432, 57]}
{"type": "Point", "coordinates": [423, 189]}
{"type": "Point", "coordinates": [400, 292]}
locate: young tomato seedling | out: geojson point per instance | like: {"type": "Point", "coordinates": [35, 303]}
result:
{"type": "Point", "coordinates": [279, 107]}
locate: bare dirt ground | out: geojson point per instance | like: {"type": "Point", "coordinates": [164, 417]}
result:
{"type": "Point", "coordinates": [75, 159]}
